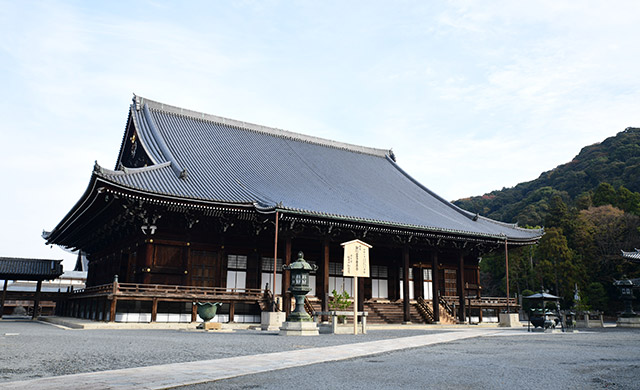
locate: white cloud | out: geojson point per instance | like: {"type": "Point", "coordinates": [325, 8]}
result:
{"type": "Point", "coordinates": [472, 96]}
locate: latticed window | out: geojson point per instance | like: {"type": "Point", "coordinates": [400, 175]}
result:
{"type": "Point", "coordinates": [267, 264]}
{"type": "Point", "coordinates": [236, 262]}
{"type": "Point", "coordinates": [337, 281]}
{"type": "Point", "coordinates": [266, 278]}
{"type": "Point", "coordinates": [236, 272]}
{"type": "Point", "coordinates": [335, 269]}
{"type": "Point", "coordinates": [379, 282]}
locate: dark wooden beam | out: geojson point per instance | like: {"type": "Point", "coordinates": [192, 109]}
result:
{"type": "Point", "coordinates": [154, 309]}
{"type": "Point", "coordinates": [405, 285]}
{"type": "Point", "coordinates": [461, 289]}
{"type": "Point", "coordinates": [286, 278]}
{"type": "Point", "coordinates": [148, 261]}
{"type": "Point", "coordinates": [194, 313]}
{"type": "Point", "coordinates": [324, 275]}
{"type": "Point", "coordinates": [434, 286]}
{"type": "Point", "coordinates": [232, 311]}
{"type": "Point", "coordinates": [4, 296]}
{"type": "Point", "coordinates": [418, 281]}
{"type": "Point", "coordinates": [36, 301]}
{"type": "Point", "coordinates": [112, 309]}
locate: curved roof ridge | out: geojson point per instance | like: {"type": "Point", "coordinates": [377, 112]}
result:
{"type": "Point", "coordinates": [141, 101]}
{"type": "Point", "coordinates": [101, 171]}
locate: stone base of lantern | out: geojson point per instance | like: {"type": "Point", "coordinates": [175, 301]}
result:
{"type": "Point", "coordinates": [299, 328]}
{"type": "Point", "coordinates": [628, 322]}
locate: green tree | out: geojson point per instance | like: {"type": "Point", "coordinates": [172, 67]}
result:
{"type": "Point", "coordinates": [596, 296]}
{"type": "Point", "coordinates": [556, 265]}
{"type": "Point", "coordinates": [604, 194]}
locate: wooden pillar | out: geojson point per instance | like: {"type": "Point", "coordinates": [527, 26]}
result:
{"type": "Point", "coordinates": [324, 275]}
{"type": "Point", "coordinates": [36, 301]}
{"type": "Point", "coordinates": [479, 292]}
{"type": "Point", "coordinates": [112, 309]}
{"type": "Point", "coordinates": [4, 296]}
{"type": "Point", "coordinates": [105, 307]}
{"type": "Point", "coordinates": [434, 286]}
{"type": "Point", "coordinates": [418, 281]}
{"type": "Point", "coordinates": [232, 311]}
{"type": "Point", "coordinates": [461, 290]}
{"type": "Point", "coordinates": [148, 262]}
{"type": "Point", "coordinates": [405, 285]}
{"type": "Point", "coordinates": [361, 294]}
{"type": "Point", "coordinates": [194, 313]}
{"type": "Point", "coordinates": [286, 278]}
{"type": "Point", "coordinates": [154, 309]}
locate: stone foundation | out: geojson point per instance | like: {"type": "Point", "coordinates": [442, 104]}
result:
{"type": "Point", "coordinates": [628, 322]}
{"type": "Point", "coordinates": [299, 328]}
{"type": "Point", "coordinates": [272, 320]}
{"type": "Point", "coordinates": [510, 320]}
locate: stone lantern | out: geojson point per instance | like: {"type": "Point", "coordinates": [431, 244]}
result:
{"type": "Point", "coordinates": [299, 323]}
{"type": "Point", "coordinates": [300, 270]}
{"type": "Point", "coordinates": [626, 294]}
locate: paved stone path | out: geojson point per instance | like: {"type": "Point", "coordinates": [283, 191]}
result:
{"type": "Point", "coordinates": [180, 374]}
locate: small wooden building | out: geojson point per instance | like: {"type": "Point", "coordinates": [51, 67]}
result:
{"type": "Point", "coordinates": [199, 206]}
{"type": "Point", "coordinates": [22, 269]}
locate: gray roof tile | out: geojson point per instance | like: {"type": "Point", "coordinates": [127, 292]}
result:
{"type": "Point", "coordinates": [235, 162]}
{"type": "Point", "coordinates": [29, 269]}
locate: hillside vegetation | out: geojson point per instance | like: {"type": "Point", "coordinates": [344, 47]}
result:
{"type": "Point", "coordinates": [615, 161]}
{"type": "Point", "coordinates": [590, 208]}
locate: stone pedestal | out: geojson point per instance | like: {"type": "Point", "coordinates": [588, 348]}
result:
{"type": "Point", "coordinates": [628, 322]}
{"type": "Point", "coordinates": [272, 320]}
{"type": "Point", "coordinates": [299, 328]}
{"type": "Point", "coordinates": [584, 321]}
{"type": "Point", "coordinates": [210, 326]}
{"type": "Point", "coordinates": [509, 320]}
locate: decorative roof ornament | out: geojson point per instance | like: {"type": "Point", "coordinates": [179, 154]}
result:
{"type": "Point", "coordinates": [633, 256]}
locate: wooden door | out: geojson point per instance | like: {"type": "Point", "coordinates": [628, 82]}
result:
{"type": "Point", "coordinates": [450, 283]}
{"type": "Point", "coordinates": [203, 268]}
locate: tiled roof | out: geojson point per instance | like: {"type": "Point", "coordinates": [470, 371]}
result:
{"type": "Point", "coordinates": [635, 256]}
{"type": "Point", "coordinates": [29, 269]}
{"type": "Point", "coordinates": [204, 157]}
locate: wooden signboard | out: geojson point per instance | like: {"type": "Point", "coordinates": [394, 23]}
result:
{"type": "Point", "coordinates": [356, 263]}
{"type": "Point", "coordinates": [356, 258]}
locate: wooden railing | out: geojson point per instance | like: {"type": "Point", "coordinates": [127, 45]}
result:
{"type": "Point", "coordinates": [444, 302]}
{"type": "Point", "coordinates": [484, 302]}
{"type": "Point", "coordinates": [159, 290]}
{"type": "Point", "coordinates": [308, 307]}
{"type": "Point", "coordinates": [493, 302]}
{"type": "Point", "coordinates": [425, 310]}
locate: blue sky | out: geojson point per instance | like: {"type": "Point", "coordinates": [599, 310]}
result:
{"type": "Point", "coordinates": [472, 97]}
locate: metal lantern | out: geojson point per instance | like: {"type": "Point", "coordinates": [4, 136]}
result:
{"type": "Point", "coordinates": [300, 270]}
{"type": "Point", "coordinates": [626, 294]}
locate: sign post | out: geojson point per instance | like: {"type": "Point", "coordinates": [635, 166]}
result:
{"type": "Point", "coordinates": [356, 263]}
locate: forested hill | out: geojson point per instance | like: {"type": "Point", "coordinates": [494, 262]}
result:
{"type": "Point", "coordinates": [610, 169]}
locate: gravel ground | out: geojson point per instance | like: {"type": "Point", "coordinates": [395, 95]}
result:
{"type": "Point", "coordinates": [602, 359]}
{"type": "Point", "coordinates": [32, 350]}
{"type": "Point", "coordinates": [595, 359]}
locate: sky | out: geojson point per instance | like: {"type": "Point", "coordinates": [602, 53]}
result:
{"type": "Point", "coordinates": [471, 96]}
